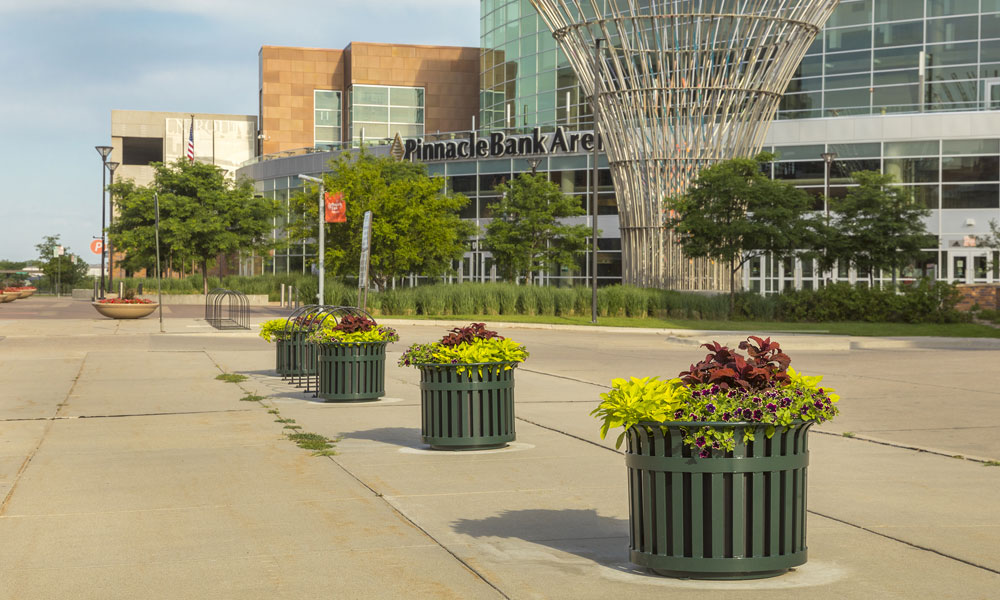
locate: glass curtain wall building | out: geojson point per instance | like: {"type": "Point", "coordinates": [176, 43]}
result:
{"type": "Point", "coordinates": [908, 87]}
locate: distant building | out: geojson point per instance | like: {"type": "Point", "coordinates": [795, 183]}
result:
{"type": "Point", "coordinates": [140, 137]}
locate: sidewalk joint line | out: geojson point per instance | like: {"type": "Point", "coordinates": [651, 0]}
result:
{"type": "Point", "coordinates": [600, 385]}
{"type": "Point", "coordinates": [41, 440]}
{"type": "Point", "coordinates": [899, 446]}
{"type": "Point", "coordinates": [399, 512]}
{"type": "Point", "coordinates": [911, 544]}
{"type": "Point", "coordinates": [575, 437]}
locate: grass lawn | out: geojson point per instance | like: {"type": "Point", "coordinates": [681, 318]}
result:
{"type": "Point", "coordinates": [859, 328]}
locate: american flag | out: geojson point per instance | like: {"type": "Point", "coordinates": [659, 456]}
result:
{"type": "Point", "coordinates": [190, 146]}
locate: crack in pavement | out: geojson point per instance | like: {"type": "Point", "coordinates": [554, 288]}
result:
{"type": "Point", "coordinates": [48, 427]}
{"type": "Point", "coordinates": [900, 446]}
{"type": "Point", "coordinates": [153, 414]}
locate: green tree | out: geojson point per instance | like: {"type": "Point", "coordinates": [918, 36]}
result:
{"type": "Point", "coordinates": [415, 224]}
{"type": "Point", "coordinates": [877, 225]}
{"type": "Point", "coordinates": [17, 278]}
{"type": "Point", "coordinates": [733, 212]}
{"type": "Point", "coordinates": [202, 214]}
{"type": "Point", "coordinates": [525, 234]}
{"type": "Point", "coordinates": [65, 268]}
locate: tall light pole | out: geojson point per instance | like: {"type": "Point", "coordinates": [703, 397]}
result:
{"type": "Point", "coordinates": [104, 151]}
{"type": "Point", "coordinates": [111, 165]}
{"type": "Point", "coordinates": [322, 235]}
{"type": "Point", "coordinates": [593, 183]}
{"type": "Point", "coordinates": [828, 158]}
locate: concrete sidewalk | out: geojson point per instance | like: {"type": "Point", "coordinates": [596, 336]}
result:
{"type": "Point", "coordinates": [128, 471]}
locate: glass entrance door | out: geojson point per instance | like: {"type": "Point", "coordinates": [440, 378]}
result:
{"type": "Point", "coordinates": [970, 266]}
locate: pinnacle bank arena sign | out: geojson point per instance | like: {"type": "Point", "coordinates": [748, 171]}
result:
{"type": "Point", "coordinates": [500, 145]}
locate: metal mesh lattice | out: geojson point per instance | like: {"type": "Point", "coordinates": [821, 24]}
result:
{"type": "Point", "coordinates": [684, 84]}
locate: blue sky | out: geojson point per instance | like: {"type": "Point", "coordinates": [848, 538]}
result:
{"type": "Point", "coordinates": [65, 64]}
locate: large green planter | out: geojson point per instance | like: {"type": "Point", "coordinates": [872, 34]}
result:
{"type": "Point", "coordinates": [473, 410]}
{"type": "Point", "coordinates": [737, 516]}
{"type": "Point", "coordinates": [295, 357]}
{"type": "Point", "coordinates": [352, 371]}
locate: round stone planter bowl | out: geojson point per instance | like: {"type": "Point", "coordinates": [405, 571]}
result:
{"type": "Point", "coordinates": [25, 293]}
{"type": "Point", "coordinates": [9, 297]}
{"type": "Point", "coordinates": [125, 311]}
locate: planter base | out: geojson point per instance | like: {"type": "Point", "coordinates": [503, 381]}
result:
{"type": "Point", "coordinates": [725, 569]}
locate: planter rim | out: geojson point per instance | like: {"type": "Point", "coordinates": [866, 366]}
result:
{"type": "Point", "coordinates": [349, 343]}
{"type": "Point", "coordinates": [125, 303]}
{"type": "Point", "coordinates": [505, 362]}
{"type": "Point", "coordinates": [719, 423]}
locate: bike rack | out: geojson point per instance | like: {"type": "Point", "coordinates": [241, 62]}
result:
{"type": "Point", "coordinates": [227, 309]}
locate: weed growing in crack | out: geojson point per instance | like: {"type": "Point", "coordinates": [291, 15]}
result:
{"type": "Point", "coordinates": [231, 377]}
{"type": "Point", "coordinates": [251, 398]}
{"type": "Point", "coordinates": [319, 444]}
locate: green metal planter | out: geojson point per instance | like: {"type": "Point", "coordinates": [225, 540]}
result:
{"type": "Point", "coordinates": [352, 371]}
{"type": "Point", "coordinates": [737, 516]}
{"type": "Point", "coordinates": [295, 357]}
{"type": "Point", "coordinates": [473, 410]}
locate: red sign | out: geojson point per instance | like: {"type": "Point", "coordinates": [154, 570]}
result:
{"type": "Point", "coordinates": [336, 208]}
{"type": "Point", "coordinates": [97, 247]}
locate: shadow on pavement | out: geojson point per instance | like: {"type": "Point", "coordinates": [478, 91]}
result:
{"type": "Point", "coordinates": [582, 532]}
{"type": "Point", "coordinates": [407, 437]}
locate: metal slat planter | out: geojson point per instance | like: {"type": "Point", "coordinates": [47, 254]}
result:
{"type": "Point", "coordinates": [352, 371]}
{"type": "Point", "coordinates": [295, 357]}
{"type": "Point", "coordinates": [467, 411]}
{"type": "Point", "coordinates": [737, 516]}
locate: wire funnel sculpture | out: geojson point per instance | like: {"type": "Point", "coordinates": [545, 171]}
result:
{"type": "Point", "coordinates": [683, 84]}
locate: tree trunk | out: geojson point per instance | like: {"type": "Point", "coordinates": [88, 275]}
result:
{"type": "Point", "coordinates": [204, 275]}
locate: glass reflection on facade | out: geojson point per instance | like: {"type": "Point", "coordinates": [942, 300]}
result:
{"type": "Point", "coordinates": [379, 112]}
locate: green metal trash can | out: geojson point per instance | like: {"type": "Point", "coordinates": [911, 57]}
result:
{"type": "Point", "coordinates": [352, 371]}
{"type": "Point", "coordinates": [473, 410]}
{"type": "Point", "coordinates": [741, 515]}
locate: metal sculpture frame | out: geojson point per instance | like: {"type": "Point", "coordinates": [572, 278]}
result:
{"type": "Point", "coordinates": [227, 309]}
{"type": "Point", "coordinates": [682, 85]}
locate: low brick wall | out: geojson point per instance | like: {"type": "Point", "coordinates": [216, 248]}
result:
{"type": "Point", "coordinates": [986, 295]}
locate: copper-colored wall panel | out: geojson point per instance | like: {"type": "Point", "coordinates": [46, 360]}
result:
{"type": "Point", "coordinates": [448, 74]}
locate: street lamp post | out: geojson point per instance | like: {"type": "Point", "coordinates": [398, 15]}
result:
{"type": "Point", "coordinates": [828, 158]}
{"type": "Point", "coordinates": [111, 165]}
{"type": "Point", "coordinates": [104, 151]}
{"type": "Point", "coordinates": [322, 235]}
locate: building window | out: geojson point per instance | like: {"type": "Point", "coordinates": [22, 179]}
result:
{"type": "Point", "coordinates": [326, 118]}
{"type": "Point", "coordinates": [380, 112]}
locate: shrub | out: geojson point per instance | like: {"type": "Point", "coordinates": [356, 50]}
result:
{"type": "Point", "coordinates": [508, 298]}
{"type": "Point", "coordinates": [564, 299]}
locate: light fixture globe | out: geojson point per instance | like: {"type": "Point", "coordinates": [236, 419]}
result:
{"type": "Point", "coordinates": [104, 151]}
{"type": "Point", "coordinates": [683, 84]}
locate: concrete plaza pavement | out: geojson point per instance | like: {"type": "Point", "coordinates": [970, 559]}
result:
{"type": "Point", "coordinates": [128, 471]}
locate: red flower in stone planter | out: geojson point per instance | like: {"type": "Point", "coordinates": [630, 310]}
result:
{"type": "Point", "coordinates": [125, 301]}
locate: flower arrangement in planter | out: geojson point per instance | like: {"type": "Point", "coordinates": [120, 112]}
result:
{"type": "Point", "coordinates": [467, 388]}
{"type": "Point", "coordinates": [125, 307]}
{"type": "Point", "coordinates": [125, 301]}
{"type": "Point", "coordinates": [352, 358]}
{"type": "Point", "coordinates": [717, 462]}
{"type": "Point", "coordinates": [292, 352]}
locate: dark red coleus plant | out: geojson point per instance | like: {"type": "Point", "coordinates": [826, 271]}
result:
{"type": "Point", "coordinates": [765, 366]}
{"type": "Point", "coordinates": [354, 324]}
{"type": "Point", "coordinates": [474, 331]}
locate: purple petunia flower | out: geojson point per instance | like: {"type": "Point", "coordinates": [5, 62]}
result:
{"type": "Point", "coordinates": [804, 409]}
{"type": "Point", "coordinates": [715, 389]}
{"type": "Point", "coordinates": [726, 416]}
{"type": "Point", "coordinates": [771, 406]}
{"type": "Point", "coordinates": [716, 445]}
{"type": "Point", "coordinates": [818, 404]}
{"type": "Point", "coordinates": [700, 441]}
{"type": "Point", "coordinates": [758, 415]}
{"type": "Point", "coordinates": [705, 453]}
{"type": "Point", "coordinates": [694, 417]}
{"type": "Point", "coordinates": [678, 414]}
{"type": "Point", "coordinates": [710, 408]}
{"type": "Point", "coordinates": [786, 402]}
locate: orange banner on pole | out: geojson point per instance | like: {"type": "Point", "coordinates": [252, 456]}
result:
{"type": "Point", "coordinates": [336, 208]}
